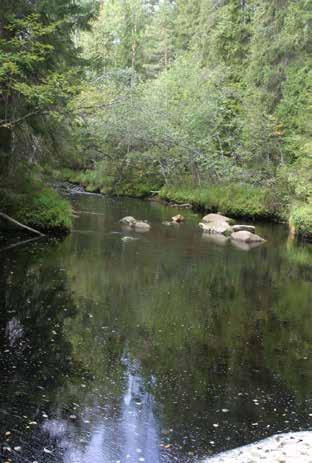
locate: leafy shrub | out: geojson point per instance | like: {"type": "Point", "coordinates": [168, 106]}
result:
{"type": "Point", "coordinates": [301, 220]}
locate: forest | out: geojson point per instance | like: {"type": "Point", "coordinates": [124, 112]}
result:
{"type": "Point", "coordinates": [206, 102]}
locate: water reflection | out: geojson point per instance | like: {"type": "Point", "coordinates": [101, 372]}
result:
{"type": "Point", "coordinates": [131, 434]}
{"type": "Point", "coordinates": [165, 348]}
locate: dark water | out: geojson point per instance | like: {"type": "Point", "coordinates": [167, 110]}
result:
{"type": "Point", "coordinates": [168, 348]}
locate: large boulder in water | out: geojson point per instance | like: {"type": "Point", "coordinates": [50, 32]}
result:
{"type": "Point", "coordinates": [218, 228]}
{"type": "Point", "coordinates": [216, 218]}
{"type": "Point", "coordinates": [246, 237]}
{"type": "Point", "coordinates": [128, 221]}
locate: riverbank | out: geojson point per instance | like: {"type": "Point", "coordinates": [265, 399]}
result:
{"type": "Point", "coordinates": [28, 200]}
{"type": "Point", "coordinates": [245, 201]}
{"type": "Point", "coordinates": [241, 201]}
{"type": "Point", "coordinates": [282, 448]}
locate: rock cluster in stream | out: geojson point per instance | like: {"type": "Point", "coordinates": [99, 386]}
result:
{"type": "Point", "coordinates": [217, 224]}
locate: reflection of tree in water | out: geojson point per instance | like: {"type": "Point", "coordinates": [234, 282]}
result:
{"type": "Point", "coordinates": [224, 334]}
{"type": "Point", "coordinates": [35, 357]}
{"type": "Point", "coordinates": [219, 333]}
{"type": "Point", "coordinates": [129, 431]}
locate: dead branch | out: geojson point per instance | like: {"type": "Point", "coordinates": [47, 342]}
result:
{"type": "Point", "coordinates": [20, 225]}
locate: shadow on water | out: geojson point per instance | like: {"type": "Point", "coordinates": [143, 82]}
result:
{"type": "Point", "coordinates": [168, 347]}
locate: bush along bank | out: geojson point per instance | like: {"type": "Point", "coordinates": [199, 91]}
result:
{"type": "Point", "coordinates": [300, 220]}
{"type": "Point", "coordinates": [34, 204]}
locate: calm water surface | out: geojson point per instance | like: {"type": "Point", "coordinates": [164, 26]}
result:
{"type": "Point", "coordinates": [167, 348]}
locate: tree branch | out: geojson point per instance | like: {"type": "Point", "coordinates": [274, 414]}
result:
{"type": "Point", "coordinates": [20, 225]}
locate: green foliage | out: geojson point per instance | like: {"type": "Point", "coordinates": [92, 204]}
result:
{"type": "Point", "coordinates": [301, 220]}
{"type": "Point", "coordinates": [212, 92]}
{"type": "Point", "coordinates": [39, 62]}
{"type": "Point", "coordinates": [208, 93]}
{"type": "Point", "coordinates": [32, 203]}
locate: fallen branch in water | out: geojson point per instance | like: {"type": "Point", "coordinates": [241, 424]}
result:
{"type": "Point", "coordinates": [20, 225]}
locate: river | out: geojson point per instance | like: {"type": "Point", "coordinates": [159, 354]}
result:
{"type": "Point", "coordinates": [169, 347]}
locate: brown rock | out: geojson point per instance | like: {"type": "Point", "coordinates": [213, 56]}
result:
{"type": "Point", "coordinates": [178, 218]}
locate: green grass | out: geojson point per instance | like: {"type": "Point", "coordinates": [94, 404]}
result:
{"type": "Point", "coordinates": [235, 200]}
{"type": "Point", "coordinates": [31, 202]}
{"type": "Point", "coordinates": [301, 220]}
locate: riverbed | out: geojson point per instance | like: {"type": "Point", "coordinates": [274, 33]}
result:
{"type": "Point", "coordinates": [166, 346]}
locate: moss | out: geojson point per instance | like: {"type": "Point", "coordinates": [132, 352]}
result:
{"type": "Point", "coordinates": [36, 205]}
{"type": "Point", "coordinates": [301, 220]}
{"type": "Point", "coordinates": [236, 200]}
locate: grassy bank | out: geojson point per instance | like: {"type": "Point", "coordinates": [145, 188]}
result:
{"type": "Point", "coordinates": [234, 200]}
{"type": "Point", "coordinates": [32, 203]}
{"type": "Point", "coordinates": [237, 200]}
{"type": "Point", "coordinates": [246, 201]}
